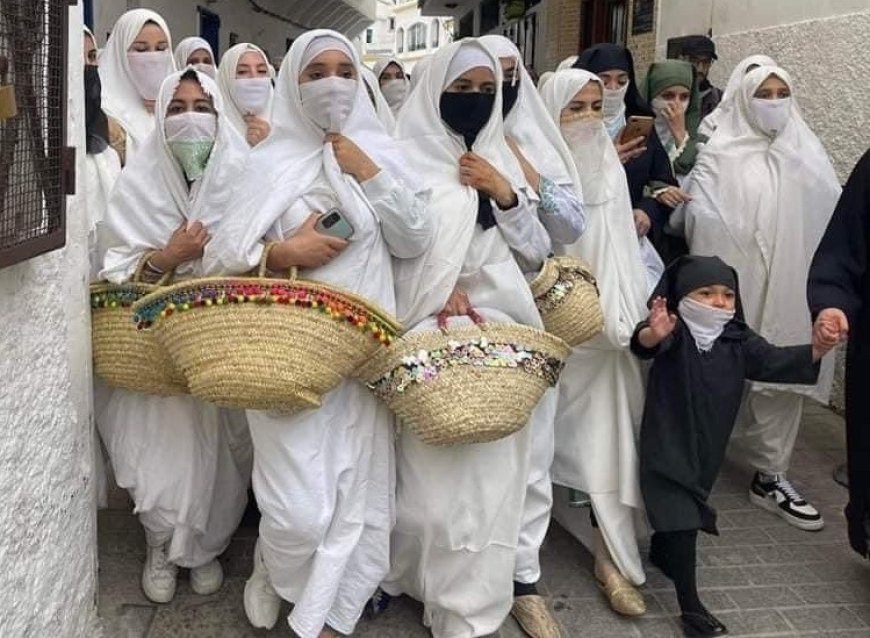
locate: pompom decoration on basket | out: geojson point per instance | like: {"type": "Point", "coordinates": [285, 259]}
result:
{"type": "Point", "coordinates": [469, 384]}
{"type": "Point", "coordinates": [264, 344]}
{"type": "Point", "coordinates": [123, 356]}
{"type": "Point", "coordinates": [566, 295]}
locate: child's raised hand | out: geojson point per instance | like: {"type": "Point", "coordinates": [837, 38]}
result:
{"type": "Point", "coordinates": [661, 322]}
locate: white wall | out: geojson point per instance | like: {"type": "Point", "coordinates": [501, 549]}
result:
{"type": "Point", "coordinates": [47, 512]}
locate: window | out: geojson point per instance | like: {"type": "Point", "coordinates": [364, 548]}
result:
{"type": "Point", "coordinates": [466, 26]}
{"type": "Point", "coordinates": [490, 15]}
{"type": "Point", "coordinates": [36, 167]}
{"type": "Point", "coordinates": [603, 21]}
{"type": "Point", "coordinates": [417, 37]}
{"type": "Point", "coordinates": [369, 35]}
{"type": "Point", "coordinates": [400, 40]}
{"type": "Point", "coordinates": [392, 24]}
{"type": "Point", "coordinates": [436, 34]}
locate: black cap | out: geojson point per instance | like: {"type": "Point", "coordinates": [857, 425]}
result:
{"type": "Point", "coordinates": [699, 45]}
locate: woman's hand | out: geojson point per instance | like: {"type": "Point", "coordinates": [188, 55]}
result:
{"type": "Point", "coordinates": [476, 172]}
{"type": "Point", "coordinates": [672, 197]}
{"type": "Point", "coordinates": [257, 131]}
{"type": "Point", "coordinates": [457, 304]}
{"type": "Point", "coordinates": [642, 222]}
{"type": "Point", "coordinates": [675, 116]}
{"type": "Point", "coordinates": [306, 249]}
{"type": "Point", "coordinates": [351, 158]}
{"type": "Point", "coordinates": [831, 328]}
{"type": "Point", "coordinates": [629, 150]}
{"type": "Point", "coordinates": [532, 176]}
{"type": "Point", "coordinates": [186, 244]}
{"type": "Point", "coordinates": [661, 324]}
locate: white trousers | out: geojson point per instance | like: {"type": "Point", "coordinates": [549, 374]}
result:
{"type": "Point", "coordinates": [767, 428]}
{"type": "Point", "coordinates": [323, 482]}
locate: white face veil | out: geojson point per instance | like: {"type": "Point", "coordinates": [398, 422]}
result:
{"type": "Point", "coordinates": [227, 83]}
{"type": "Point", "coordinates": [187, 47]}
{"type": "Point", "coordinates": [121, 100]}
{"type": "Point", "coordinates": [152, 198]}
{"type": "Point", "coordinates": [378, 68]}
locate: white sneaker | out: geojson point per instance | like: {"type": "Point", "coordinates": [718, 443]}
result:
{"type": "Point", "coordinates": [262, 602]}
{"type": "Point", "coordinates": [207, 579]}
{"type": "Point", "coordinates": [158, 575]}
{"type": "Point", "coordinates": [776, 494]}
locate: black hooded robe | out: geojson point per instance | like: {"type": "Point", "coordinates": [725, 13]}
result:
{"type": "Point", "coordinates": [839, 278]}
{"type": "Point", "coordinates": [691, 404]}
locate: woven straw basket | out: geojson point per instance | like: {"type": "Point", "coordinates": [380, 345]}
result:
{"type": "Point", "coordinates": [123, 356]}
{"type": "Point", "coordinates": [566, 295]}
{"type": "Point", "coordinates": [264, 344]}
{"type": "Point", "coordinates": [466, 385]}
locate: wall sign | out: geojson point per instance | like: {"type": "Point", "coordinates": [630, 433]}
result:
{"type": "Point", "coordinates": [643, 16]}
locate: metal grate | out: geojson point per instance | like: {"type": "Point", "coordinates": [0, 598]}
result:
{"type": "Point", "coordinates": [34, 160]}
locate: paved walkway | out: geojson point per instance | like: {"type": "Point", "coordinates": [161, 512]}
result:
{"type": "Point", "coordinates": [761, 577]}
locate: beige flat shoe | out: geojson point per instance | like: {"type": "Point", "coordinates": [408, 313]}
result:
{"type": "Point", "coordinates": [533, 615]}
{"type": "Point", "coordinates": [623, 597]}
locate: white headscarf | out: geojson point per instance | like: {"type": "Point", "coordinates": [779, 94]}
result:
{"type": "Point", "coordinates": [762, 205]}
{"type": "Point", "coordinates": [188, 47]}
{"type": "Point", "coordinates": [709, 123]}
{"type": "Point", "coordinates": [226, 81]}
{"type": "Point", "coordinates": [425, 284]}
{"type": "Point", "coordinates": [418, 72]}
{"type": "Point", "coordinates": [568, 62]}
{"type": "Point", "coordinates": [379, 67]}
{"type": "Point", "coordinates": [286, 166]}
{"type": "Point", "coordinates": [382, 108]}
{"type": "Point", "coordinates": [609, 244]}
{"type": "Point", "coordinates": [121, 101]}
{"type": "Point", "coordinates": [529, 126]}
{"type": "Point", "coordinates": [151, 197]}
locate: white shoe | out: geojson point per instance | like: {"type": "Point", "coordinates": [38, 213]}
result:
{"type": "Point", "coordinates": [262, 602]}
{"type": "Point", "coordinates": [158, 575]}
{"type": "Point", "coordinates": [206, 579]}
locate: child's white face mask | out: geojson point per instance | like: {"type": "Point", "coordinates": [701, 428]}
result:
{"type": "Point", "coordinates": [706, 323]}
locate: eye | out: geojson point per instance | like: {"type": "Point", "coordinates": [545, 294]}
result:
{"type": "Point", "coordinates": [315, 75]}
{"type": "Point", "coordinates": [175, 109]}
{"type": "Point", "coordinates": [163, 46]}
{"type": "Point", "coordinates": [204, 108]}
{"type": "Point", "coordinates": [489, 89]}
{"type": "Point", "coordinates": [597, 106]}
{"type": "Point", "coordinates": [348, 75]}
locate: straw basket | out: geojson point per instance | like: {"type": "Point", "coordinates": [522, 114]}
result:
{"type": "Point", "coordinates": [566, 295]}
{"type": "Point", "coordinates": [466, 385]}
{"type": "Point", "coordinates": [123, 356]}
{"type": "Point", "coordinates": [264, 344]}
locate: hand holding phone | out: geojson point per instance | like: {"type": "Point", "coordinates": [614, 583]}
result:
{"type": "Point", "coordinates": [637, 126]}
{"type": "Point", "coordinates": [334, 224]}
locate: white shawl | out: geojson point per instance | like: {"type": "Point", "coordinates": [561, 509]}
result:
{"type": "Point", "coordinates": [382, 108]}
{"type": "Point", "coordinates": [711, 122]}
{"type": "Point", "coordinates": [227, 75]}
{"type": "Point", "coordinates": [121, 101]}
{"type": "Point", "coordinates": [762, 205]}
{"type": "Point", "coordinates": [151, 198]}
{"type": "Point", "coordinates": [189, 46]}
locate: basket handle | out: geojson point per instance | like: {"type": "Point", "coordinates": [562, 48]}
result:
{"type": "Point", "coordinates": [472, 314]}
{"type": "Point", "coordinates": [143, 263]}
{"type": "Point", "coordinates": [293, 273]}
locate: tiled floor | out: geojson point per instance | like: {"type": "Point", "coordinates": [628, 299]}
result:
{"type": "Point", "coordinates": [761, 577]}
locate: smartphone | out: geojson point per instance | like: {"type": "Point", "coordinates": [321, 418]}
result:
{"type": "Point", "coordinates": [637, 126]}
{"type": "Point", "coordinates": [334, 224]}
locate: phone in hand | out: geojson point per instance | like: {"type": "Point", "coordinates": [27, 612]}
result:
{"type": "Point", "coordinates": [334, 224]}
{"type": "Point", "coordinates": [637, 126]}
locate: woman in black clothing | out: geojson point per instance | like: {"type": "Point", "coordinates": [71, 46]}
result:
{"type": "Point", "coordinates": [654, 189]}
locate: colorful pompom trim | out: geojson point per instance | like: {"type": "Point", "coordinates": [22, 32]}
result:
{"type": "Point", "coordinates": [557, 293]}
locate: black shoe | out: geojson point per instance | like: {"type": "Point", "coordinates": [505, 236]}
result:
{"type": "Point", "coordinates": [700, 625]}
{"type": "Point", "coordinates": [377, 604]}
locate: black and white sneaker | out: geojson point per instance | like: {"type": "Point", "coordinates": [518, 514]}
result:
{"type": "Point", "coordinates": [776, 494]}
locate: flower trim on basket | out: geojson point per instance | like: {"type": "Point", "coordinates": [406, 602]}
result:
{"type": "Point", "coordinates": [426, 365]}
{"type": "Point", "coordinates": [121, 297]}
{"type": "Point", "coordinates": [219, 294]}
{"type": "Point", "coordinates": [565, 281]}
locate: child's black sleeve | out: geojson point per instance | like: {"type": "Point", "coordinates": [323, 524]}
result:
{"type": "Point", "coordinates": [642, 352]}
{"type": "Point", "coordinates": [774, 364]}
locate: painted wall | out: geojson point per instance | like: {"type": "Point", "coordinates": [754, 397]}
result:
{"type": "Point", "coordinates": [47, 512]}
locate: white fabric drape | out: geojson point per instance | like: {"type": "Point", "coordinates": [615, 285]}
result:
{"type": "Point", "coordinates": [601, 390]}
{"type": "Point", "coordinates": [227, 75]}
{"type": "Point", "coordinates": [385, 114]}
{"type": "Point", "coordinates": [762, 205]}
{"type": "Point", "coordinates": [188, 46]}
{"type": "Point", "coordinates": [709, 123]}
{"type": "Point", "coordinates": [121, 100]}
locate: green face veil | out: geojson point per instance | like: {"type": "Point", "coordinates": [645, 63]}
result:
{"type": "Point", "coordinates": [190, 136]}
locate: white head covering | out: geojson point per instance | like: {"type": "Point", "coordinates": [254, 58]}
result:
{"type": "Point", "coordinates": [419, 71]}
{"type": "Point", "coordinates": [187, 47]}
{"type": "Point", "coordinates": [709, 123]}
{"type": "Point", "coordinates": [529, 126]}
{"type": "Point", "coordinates": [424, 284]}
{"type": "Point", "coordinates": [568, 62]}
{"type": "Point", "coordinates": [120, 100]}
{"type": "Point", "coordinates": [382, 108]}
{"type": "Point", "coordinates": [151, 198]}
{"type": "Point", "coordinates": [287, 165]}
{"type": "Point", "coordinates": [609, 244]}
{"type": "Point", "coordinates": [544, 78]}
{"type": "Point", "coordinates": [762, 205]}
{"type": "Point", "coordinates": [226, 77]}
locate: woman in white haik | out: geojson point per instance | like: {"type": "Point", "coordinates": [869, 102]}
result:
{"type": "Point", "coordinates": [549, 169]}
{"type": "Point", "coordinates": [601, 391]}
{"type": "Point", "coordinates": [196, 52]}
{"type": "Point", "coordinates": [382, 108]}
{"type": "Point", "coordinates": [711, 122]}
{"type": "Point", "coordinates": [185, 463]}
{"type": "Point", "coordinates": [323, 478]}
{"type": "Point", "coordinates": [393, 82]}
{"type": "Point", "coordinates": [245, 78]}
{"type": "Point", "coordinates": [459, 509]}
{"type": "Point", "coordinates": [763, 190]}
{"type": "Point", "coordinates": [134, 63]}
